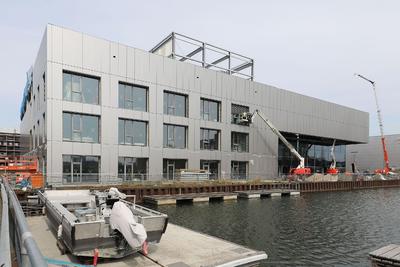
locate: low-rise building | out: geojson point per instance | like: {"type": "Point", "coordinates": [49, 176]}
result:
{"type": "Point", "coordinates": [369, 157]}
{"type": "Point", "coordinates": [10, 143]}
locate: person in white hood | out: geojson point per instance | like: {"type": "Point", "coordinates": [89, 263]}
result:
{"type": "Point", "coordinates": [122, 219]}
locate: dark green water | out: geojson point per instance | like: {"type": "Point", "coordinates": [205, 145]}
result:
{"type": "Point", "coordinates": [318, 229]}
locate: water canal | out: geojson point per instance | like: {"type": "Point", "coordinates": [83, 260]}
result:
{"type": "Point", "coordinates": [329, 229]}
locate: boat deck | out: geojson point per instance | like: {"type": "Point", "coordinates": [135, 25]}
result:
{"type": "Point", "coordinates": [179, 247]}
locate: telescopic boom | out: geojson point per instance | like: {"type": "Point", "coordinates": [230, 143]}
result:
{"type": "Point", "coordinates": [300, 169]}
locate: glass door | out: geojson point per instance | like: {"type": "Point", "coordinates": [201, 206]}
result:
{"type": "Point", "coordinates": [128, 169]}
{"type": "Point", "coordinates": [170, 170]}
{"type": "Point", "coordinates": [76, 170]}
{"type": "Point", "coordinates": [235, 170]}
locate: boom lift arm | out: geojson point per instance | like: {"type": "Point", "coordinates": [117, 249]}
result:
{"type": "Point", "coordinates": [300, 169]}
{"type": "Point", "coordinates": [333, 164]}
{"type": "Point", "coordinates": [332, 169]}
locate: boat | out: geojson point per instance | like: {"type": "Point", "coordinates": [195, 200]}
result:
{"type": "Point", "coordinates": [83, 222]}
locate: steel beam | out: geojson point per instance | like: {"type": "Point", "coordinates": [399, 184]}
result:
{"type": "Point", "coordinates": [242, 66]}
{"type": "Point", "coordinates": [191, 54]}
{"type": "Point", "coordinates": [217, 61]}
{"type": "Point", "coordinates": [160, 44]}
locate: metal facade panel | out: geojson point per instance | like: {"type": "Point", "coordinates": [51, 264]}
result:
{"type": "Point", "coordinates": [72, 48]}
{"type": "Point", "coordinates": [142, 66]}
{"type": "Point", "coordinates": [95, 54]}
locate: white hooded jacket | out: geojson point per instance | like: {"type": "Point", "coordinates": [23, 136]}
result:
{"type": "Point", "coordinates": [122, 219]}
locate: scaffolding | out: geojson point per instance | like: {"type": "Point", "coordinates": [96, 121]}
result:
{"type": "Point", "coordinates": [183, 48]}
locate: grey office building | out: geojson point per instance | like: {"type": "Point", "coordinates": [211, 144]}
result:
{"type": "Point", "coordinates": [97, 111]}
{"type": "Point", "coordinates": [369, 157]}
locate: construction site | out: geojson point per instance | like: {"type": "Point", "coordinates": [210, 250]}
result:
{"type": "Point", "coordinates": [218, 124]}
{"type": "Point", "coordinates": [105, 126]}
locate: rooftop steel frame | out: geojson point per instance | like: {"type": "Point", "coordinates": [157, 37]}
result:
{"type": "Point", "coordinates": [224, 60]}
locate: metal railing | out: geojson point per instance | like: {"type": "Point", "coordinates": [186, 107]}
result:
{"type": "Point", "coordinates": [184, 48]}
{"type": "Point", "coordinates": [26, 250]}
{"type": "Point", "coordinates": [5, 249]}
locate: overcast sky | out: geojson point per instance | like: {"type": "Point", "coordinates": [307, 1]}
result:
{"type": "Point", "coordinates": [310, 47]}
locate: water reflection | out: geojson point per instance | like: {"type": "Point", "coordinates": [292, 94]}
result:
{"type": "Point", "coordinates": [334, 229]}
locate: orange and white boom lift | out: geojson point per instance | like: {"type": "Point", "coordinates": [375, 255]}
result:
{"type": "Point", "coordinates": [386, 169]}
{"type": "Point", "coordinates": [249, 118]}
{"type": "Point", "coordinates": [332, 169]}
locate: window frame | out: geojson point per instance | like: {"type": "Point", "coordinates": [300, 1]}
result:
{"type": "Point", "coordinates": [79, 131]}
{"type": "Point", "coordinates": [212, 175]}
{"type": "Point", "coordinates": [239, 175]}
{"type": "Point", "coordinates": [237, 144]}
{"type": "Point", "coordinates": [171, 136]}
{"type": "Point", "coordinates": [204, 141]}
{"type": "Point", "coordinates": [80, 90]}
{"type": "Point", "coordinates": [124, 120]}
{"type": "Point", "coordinates": [131, 100]}
{"type": "Point", "coordinates": [233, 119]}
{"type": "Point", "coordinates": [79, 160]}
{"type": "Point", "coordinates": [44, 86]}
{"type": "Point", "coordinates": [207, 101]}
{"type": "Point", "coordinates": [166, 107]}
{"type": "Point", "coordinates": [125, 162]}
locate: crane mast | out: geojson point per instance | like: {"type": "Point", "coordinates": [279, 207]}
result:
{"type": "Point", "coordinates": [385, 153]}
{"type": "Point", "coordinates": [386, 168]}
{"type": "Point", "coordinates": [300, 169]}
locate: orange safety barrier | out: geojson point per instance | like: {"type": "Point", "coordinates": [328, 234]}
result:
{"type": "Point", "coordinates": [19, 164]}
{"type": "Point", "coordinates": [36, 180]}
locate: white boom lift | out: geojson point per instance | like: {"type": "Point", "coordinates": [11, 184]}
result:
{"type": "Point", "coordinates": [249, 118]}
{"type": "Point", "coordinates": [332, 169]}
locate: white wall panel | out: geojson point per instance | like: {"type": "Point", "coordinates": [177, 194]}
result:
{"type": "Point", "coordinates": [96, 54]}
{"type": "Point", "coordinates": [55, 43]}
{"type": "Point", "coordinates": [72, 48]}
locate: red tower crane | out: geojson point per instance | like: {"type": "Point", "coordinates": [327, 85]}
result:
{"type": "Point", "coordinates": [386, 168]}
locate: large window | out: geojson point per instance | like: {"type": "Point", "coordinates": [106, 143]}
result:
{"type": "Point", "coordinates": [172, 168]}
{"type": "Point", "coordinates": [81, 169]}
{"type": "Point", "coordinates": [209, 110]}
{"type": "Point", "coordinates": [132, 132]}
{"type": "Point", "coordinates": [132, 169]}
{"type": "Point", "coordinates": [132, 97]}
{"type": "Point", "coordinates": [209, 139]}
{"type": "Point", "coordinates": [239, 169]}
{"type": "Point", "coordinates": [174, 136]}
{"type": "Point", "coordinates": [236, 110]}
{"type": "Point", "coordinates": [240, 142]}
{"type": "Point", "coordinates": [80, 128]}
{"type": "Point", "coordinates": [80, 88]}
{"type": "Point", "coordinates": [212, 166]}
{"type": "Point", "coordinates": [316, 155]}
{"type": "Point", "coordinates": [175, 104]}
